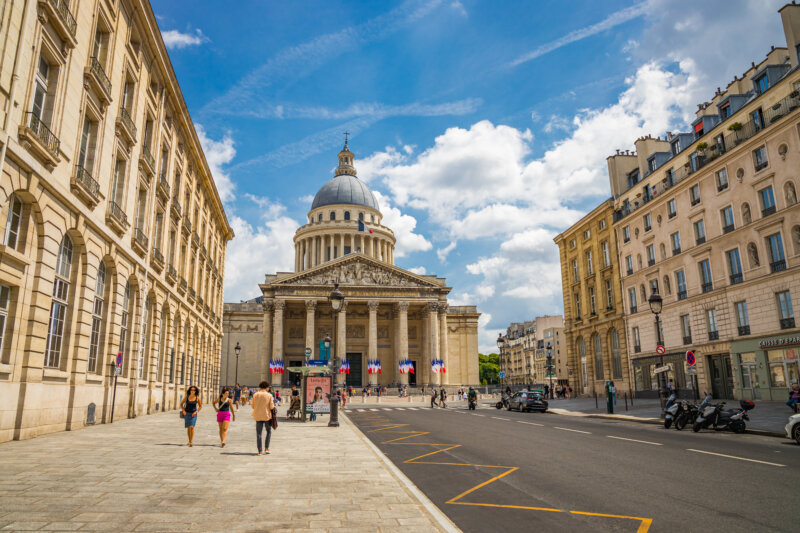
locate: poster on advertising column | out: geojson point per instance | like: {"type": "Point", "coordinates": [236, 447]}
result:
{"type": "Point", "coordinates": [318, 394]}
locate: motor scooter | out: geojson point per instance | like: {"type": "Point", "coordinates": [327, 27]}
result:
{"type": "Point", "coordinates": [733, 419]}
{"type": "Point", "coordinates": [503, 401]}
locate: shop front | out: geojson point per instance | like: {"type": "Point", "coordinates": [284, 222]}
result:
{"type": "Point", "coordinates": [646, 372]}
{"type": "Point", "coordinates": [765, 368]}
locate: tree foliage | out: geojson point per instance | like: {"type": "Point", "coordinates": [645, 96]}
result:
{"type": "Point", "coordinates": [489, 367]}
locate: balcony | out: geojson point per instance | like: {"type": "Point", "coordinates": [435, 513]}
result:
{"type": "Point", "coordinates": [722, 187]}
{"type": "Point", "coordinates": [182, 285]}
{"type": "Point", "coordinates": [768, 211]}
{"type": "Point", "coordinates": [192, 293]}
{"type": "Point", "coordinates": [648, 228]}
{"type": "Point", "coordinates": [206, 309]}
{"type": "Point", "coordinates": [708, 287]}
{"type": "Point", "coordinates": [195, 239]}
{"type": "Point", "coordinates": [672, 215]}
{"type": "Point", "coordinates": [147, 162]}
{"type": "Point", "coordinates": [98, 80]}
{"type": "Point", "coordinates": [695, 201]}
{"type": "Point", "coordinates": [200, 301]}
{"type": "Point", "coordinates": [787, 323]}
{"type": "Point", "coordinates": [713, 335]}
{"type": "Point", "coordinates": [744, 330]}
{"type": "Point", "coordinates": [157, 259]}
{"type": "Point", "coordinates": [736, 278]}
{"type": "Point", "coordinates": [761, 166]}
{"type": "Point", "coordinates": [37, 138]}
{"type": "Point", "coordinates": [84, 186]}
{"type": "Point", "coordinates": [687, 339]}
{"type": "Point", "coordinates": [676, 251]}
{"type": "Point", "coordinates": [172, 273]}
{"type": "Point", "coordinates": [682, 295]}
{"type": "Point", "coordinates": [203, 250]}
{"type": "Point", "coordinates": [162, 188]}
{"type": "Point", "coordinates": [125, 125]}
{"type": "Point", "coordinates": [651, 262]}
{"type": "Point", "coordinates": [777, 266]}
{"type": "Point", "coordinates": [637, 348]}
{"type": "Point", "coordinates": [116, 218]}
{"type": "Point", "coordinates": [139, 241]}
{"type": "Point", "coordinates": [633, 309]}
{"type": "Point", "coordinates": [700, 240]}
{"type": "Point", "coordinates": [626, 239]}
{"type": "Point", "coordinates": [187, 225]}
{"type": "Point", "coordinates": [58, 13]}
{"type": "Point", "coordinates": [727, 229]}
{"type": "Point", "coordinates": [176, 207]}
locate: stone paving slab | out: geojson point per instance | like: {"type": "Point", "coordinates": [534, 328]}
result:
{"type": "Point", "coordinates": [138, 475]}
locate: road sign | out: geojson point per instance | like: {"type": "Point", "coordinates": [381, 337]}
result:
{"type": "Point", "coordinates": [119, 359]}
{"type": "Point", "coordinates": [665, 368]}
{"type": "Point", "coordinates": [308, 352]}
{"type": "Point", "coordinates": [692, 370]}
{"type": "Point", "coordinates": [660, 350]}
{"type": "Point", "coordinates": [118, 371]}
{"type": "Point", "coordinates": [690, 359]}
{"type": "Point", "coordinates": [502, 374]}
{"type": "Point", "coordinates": [316, 362]}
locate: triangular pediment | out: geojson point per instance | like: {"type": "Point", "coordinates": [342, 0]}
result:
{"type": "Point", "coordinates": [358, 270]}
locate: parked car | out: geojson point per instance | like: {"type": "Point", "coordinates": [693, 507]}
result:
{"type": "Point", "coordinates": [793, 428]}
{"type": "Point", "coordinates": [527, 401]}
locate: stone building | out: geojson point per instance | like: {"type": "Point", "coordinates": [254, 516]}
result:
{"type": "Point", "coordinates": [390, 314]}
{"type": "Point", "coordinates": [524, 350]}
{"type": "Point", "coordinates": [593, 324]}
{"type": "Point", "coordinates": [709, 219]}
{"type": "Point", "coordinates": [114, 235]}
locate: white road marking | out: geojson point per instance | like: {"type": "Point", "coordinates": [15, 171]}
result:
{"type": "Point", "coordinates": [374, 409]}
{"type": "Point", "coordinates": [413, 408]}
{"type": "Point", "coordinates": [575, 430]}
{"type": "Point", "coordinates": [476, 414]}
{"type": "Point", "coordinates": [734, 457]}
{"type": "Point", "coordinates": [498, 418]}
{"type": "Point", "coordinates": [634, 440]}
{"type": "Point", "coordinates": [529, 423]}
{"type": "Point", "coordinates": [399, 409]}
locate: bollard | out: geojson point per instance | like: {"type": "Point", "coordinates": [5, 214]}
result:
{"type": "Point", "coordinates": [595, 400]}
{"type": "Point", "coordinates": [626, 401]}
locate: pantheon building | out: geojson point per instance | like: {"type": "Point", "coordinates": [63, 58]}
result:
{"type": "Point", "coordinates": [389, 314]}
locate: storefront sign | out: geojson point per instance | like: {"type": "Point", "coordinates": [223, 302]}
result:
{"type": "Point", "coordinates": [665, 368]}
{"type": "Point", "coordinates": [318, 394]}
{"type": "Point", "coordinates": [692, 370]}
{"type": "Point", "coordinates": [785, 341]}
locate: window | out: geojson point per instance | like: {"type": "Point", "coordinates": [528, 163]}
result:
{"type": "Point", "coordinates": [118, 185]}
{"type": "Point", "coordinates": [777, 261]}
{"type": "Point", "coordinates": [637, 344]}
{"type": "Point", "coordinates": [575, 271]}
{"type": "Point", "coordinates": [686, 329]}
{"type": "Point", "coordinates": [734, 265]}
{"type": "Point", "coordinates": [602, 224]}
{"type": "Point", "coordinates": [97, 318]}
{"type": "Point", "coordinates": [598, 357]}
{"type": "Point", "coordinates": [587, 234]}
{"type": "Point", "coordinates": [589, 263]}
{"type": "Point", "coordinates": [762, 84]}
{"type": "Point", "coordinates": [711, 323]}
{"type": "Point", "coordinates": [725, 110]}
{"type": "Point", "coordinates": [592, 301]}
{"type": "Point", "coordinates": [572, 243]}
{"type": "Point", "coordinates": [705, 275]}
{"type": "Point", "coordinates": [676, 146]}
{"type": "Point", "coordinates": [128, 97]}
{"type": "Point", "coordinates": [758, 119]}
{"type": "Point", "coordinates": [785, 310]}
{"type": "Point", "coordinates": [694, 161]}
{"type": "Point", "coordinates": [124, 324]}
{"type": "Point", "coordinates": [632, 299]}
{"type": "Point", "coordinates": [347, 215]}
{"type": "Point", "coordinates": [727, 219]}
{"type": "Point", "coordinates": [333, 215]}
{"type": "Point", "coordinates": [742, 320]}
{"type": "Point", "coordinates": [700, 231]}
{"type": "Point", "coordinates": [319, 218]}
{"type": "Point", "coordinates": [651, 255]}
{"type": "Point", "coordinates": [626, 234]}
{"type": "Point", "coordinates": [361, 216]}
{"type": "Point", "coordinates": [606, 254]}
{"type": "Point", "coordinates": [672, 208]}
{"type": "Point", "coordinates": [783, 369]}
{"type": "Point", "coordinates": [653, 286]}
{"type": "Point", "coordinates": [647, 222]}
{"type": "Point", "coordinates": [680, 284]}
{"type": "Point", "coordinates": [670, 177]}
{"type": "Point", "coordinates": [629, 264]}
{"type": "Point", "coordinates": [577, 306]}
{"type": "Point", "coordinates": [722, 180]}
{"type": "Point", "coordinates": [694, 194]}
{"type": "Point", "coordinates": [609, 295]}
{"type": "Point", "coordinates": [143, 348]}
{"type": "Point", "coordinates": [87, 145]}
{"type": "Point", "coordinates": [760, 158]}
{"type": "Point", "coordinates": [675, 238]}
{"type": "Point", "coordinates": [141, 209]}
{"type": "Point", "coordinates": [767, 198]}
{"type": "Point", "coordinates": [43, 90]}
{"type": "Point", "coordinates": [13, 222]}
{"type": "Point", "coordinates": [651, 164]}
{"type": "Point", "coordinates": [5, 294]}
{"type": "Point", "coordinates": [58, 308]}
{"type": "Point", "coordinates": [719, 141]}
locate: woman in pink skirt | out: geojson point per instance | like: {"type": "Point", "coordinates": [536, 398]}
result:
{"type": "Point", "coordinates": [224, 408]}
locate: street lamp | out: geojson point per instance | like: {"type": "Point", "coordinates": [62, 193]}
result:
{"type": "Point", "coordinates": [549, 352]}
{"type": "Point", "coordinates": [500, 344]}
{"type": "Point", "coordinates": [336, 299]}
{"type": "Point", "coordinates": [237, 350]}
{"type": "Point", "coordinates": [656, 303]}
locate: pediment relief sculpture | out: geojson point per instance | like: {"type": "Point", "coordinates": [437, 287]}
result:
{"type": "Point", "coordinates": [357, 273]}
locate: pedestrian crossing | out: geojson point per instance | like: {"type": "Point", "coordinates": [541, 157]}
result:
{"type": "Point", "coordinates": [393, 408]}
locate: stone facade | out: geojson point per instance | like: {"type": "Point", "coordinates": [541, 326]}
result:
{"type": "Point", "coordinates": [98, 256]}
{"type": "Point", "coordinates": [524, 350]}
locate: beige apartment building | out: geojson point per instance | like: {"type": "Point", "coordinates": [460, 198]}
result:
{"type": "Point", "coordinates": [524, 350]}
{"type": "Point", "coordinates": [113, 234]}
{"type": "Point", "coordinates": [594, 326]}
{"type": "Point", "coordinates": [710, 220]}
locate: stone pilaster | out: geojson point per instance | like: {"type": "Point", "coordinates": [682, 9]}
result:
{"type": "Point", "coordinates": [311, 308]}
{"type": "Point", "coordinates": [433, 332]}
{"type": "Point", "coordinates": [401, 340]}
{"type": "Point", "coordinates": [424, 374]}
{"type": "Point", "coordinates": [277, 336]}
{"type": "Point", "coordinates": [372, 352]}
{"type": "Point", "coordinates": [443, 346]}
{"type": "Point", "coordinates": [266, 340]}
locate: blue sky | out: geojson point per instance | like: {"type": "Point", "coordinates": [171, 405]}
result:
{"type": "Point", "coordinates": [483, 127]}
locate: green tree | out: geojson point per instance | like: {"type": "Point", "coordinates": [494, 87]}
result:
{"type": "Point", "coordinates": [489, 368]}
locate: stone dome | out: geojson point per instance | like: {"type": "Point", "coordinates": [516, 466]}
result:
{"type": "Point", "coordinates": [345, 189]}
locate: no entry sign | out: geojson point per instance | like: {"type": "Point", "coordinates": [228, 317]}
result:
{"type": "Point", "coordinates": [690, 360]}
{"type": "Point", "coordinates": [660, 350]}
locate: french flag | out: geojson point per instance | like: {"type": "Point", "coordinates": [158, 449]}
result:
{"type": "Point", "coordinates": [363, 227]}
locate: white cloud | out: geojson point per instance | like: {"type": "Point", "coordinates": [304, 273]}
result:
{"type": "Point", "coordinates": [218, 154]}
{"type": "Point", "coordinates": [403, 227]}
{"type": "Point", "coordinates": [459, 8]}
{"type": "Point", "coordinates": [420, 270]}
{"type": "Point", "coordinates": [306, 199]}
{"type": "Point", "coordinates": [173, 39]}
{"type": "Point", "coordinates": [557, 123]}
{"type": "Point", "coordinates": [442, 253]}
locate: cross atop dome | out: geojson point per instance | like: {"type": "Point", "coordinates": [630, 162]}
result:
{"type": "Point", "coordinates": [346, 159]}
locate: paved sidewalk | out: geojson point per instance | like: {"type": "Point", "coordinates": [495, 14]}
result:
{"type": "Point", "coordinates": [137, 475]}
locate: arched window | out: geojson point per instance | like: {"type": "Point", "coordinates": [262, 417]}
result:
{"type": "Point", "coordinates": [333, 215]}
{"type": "Point", "coordinates": [124, 325]}
{"type": "Point", "coordinates": [347, 215]}
{"type": "Point", "coordinates": [97, 318]}
{"type": "Point", "coordinates": [59, 305]}
{"type": "Point", "coordinates": [361, 216]}
{"type": "Point", "coordinates": [319, 218]}
{"type": "Point", "coordinates": [582, 358]}
{"type": "Point", "coordinates": [144, 347]}
{"type": "Point", "coordinates": [13, 222]}
{"type": "Point", "coordinates": [372, 218]}
{"type": "Point", "coordinates": [616, 357]}
{"type": "Point", "coordinates": [598, 357]}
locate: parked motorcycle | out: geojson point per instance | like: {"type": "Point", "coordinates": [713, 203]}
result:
{"type": "Point", "coordinates": [687, 413]}
{"type": "Point", "coordinates": [733, 419]}
{"type": "Point", "coordinates": [503, 401]}
{"type": "Point", "coordinates": [671, 413]}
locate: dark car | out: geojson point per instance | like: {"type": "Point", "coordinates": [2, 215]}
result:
{"type": "Point", "coordinates": [527, 401]}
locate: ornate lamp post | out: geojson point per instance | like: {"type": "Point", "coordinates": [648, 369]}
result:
{"type": "Point", "coordinates": [237, 350]}
{"type": "Point", "coordinates": [500, 343]}
{"type": "Point", "coordinates": [549, 352]}
{"type": "Point", "coordinates": [656, 303]}
{"type": "Point", "coordinates": [336, 299]}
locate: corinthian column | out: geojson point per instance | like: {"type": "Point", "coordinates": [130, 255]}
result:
{"type": "Point", "coordinates": [277, 336]}
{"type": "Point", "coordinates": [424, 378]}
{"type": "Point", "coordinates": [266, 340]}
{"type": "Point", "coordinates": [401, 340]}
{"type": "Point", "coordinates": [433, 330]}
{"type": "Point", "coordinates": [311, 307]}
{"type": "Point", "coordinates": [341, 339]}
{"type": "Point", "coordinates": [443, 347]}
{"type": "Point", "coordinates": [372, 352]}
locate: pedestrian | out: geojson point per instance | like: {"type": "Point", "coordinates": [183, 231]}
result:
{"type": "Point", "coordinates": [263, 407]}
{"type": "Point", "coordinates": [344, 399]}
{"type": "Point", "coordinates": [224, 408]}
{"type": "Point", "coordinates": [433, 398]}
{"type": "Point", "coordinates": [190, 406]}
{"type": "Point", "coordinates": [237, 395]}
{"type": "Point", "coordinates": [569, 391]}
{"type": "Point", "coordinates": [614, 392]}
{"type": "Point", "coordinates": [443, 397]}
{"type": "Point", "coordinates": [278, 397]}
{"type": "Point", "coordinates": [245, 394]}
{"type": "Point", "coordinates": [546, 391]}
{"type": "Point", "coordinates": [794, 397]}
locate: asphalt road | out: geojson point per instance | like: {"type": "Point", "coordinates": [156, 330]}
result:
{"type": "Point", "coordinates": [491, 470]}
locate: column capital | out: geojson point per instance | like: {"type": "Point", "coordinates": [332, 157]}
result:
{"type": "Point", "coordinates": [268, 305]}
{"type": "Point", "coordinates": [311, 305]}
{"type": "Point", "coordinates": [443, 307]}
{"type": "Point", "coordinates": [401, 307]}
{"type": "Point", "coordinates": [373, 305]}
{"type": "Point", "coordinates": [279, 305]}
{"type": "Point", "coordinates": [432, 306]}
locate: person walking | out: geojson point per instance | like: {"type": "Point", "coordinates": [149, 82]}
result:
{"type": "Point", "coordinates": [190, 406]}
{"type": "Point", "coordinates": [224, 408]}
{"type": "Point", "coordinates": [245, 394]}
{"type": "Point", "coordinates": [237, 395]}
{"type": "Point", "coordinates": [614, 392]}
{"type": "Point", "coordinates": [794, 397]}
{"type": "Point", "coordinates": [443, 397]}
{"type": "Point", "coordinates": [433, 398]}
{"type": "Point", "coordinates": [569, 392]}
{"type": "Point", "coordinates": [263, 404]}
{"type": "Point", "coordinates": [344, 399]}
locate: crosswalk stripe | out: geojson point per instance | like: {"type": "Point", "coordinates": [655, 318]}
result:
{"type": "Point", "coordinates": [399, 409]}
{"type": "Point", "coordinates": [374, 409]}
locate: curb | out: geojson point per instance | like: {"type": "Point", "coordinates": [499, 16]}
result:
{"type": "Point", "coordinates": [445, 524]}
{"type": "Point", "coordinates": [657, 421]}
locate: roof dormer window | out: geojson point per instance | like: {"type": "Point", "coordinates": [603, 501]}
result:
{"type": "Point", "coordinates": [333, 215]}
{"type": "Point", "coordinates": [762, 84]}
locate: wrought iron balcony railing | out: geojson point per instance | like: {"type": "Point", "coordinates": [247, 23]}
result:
{"type": "Point", "coordinates": [45, 136]}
